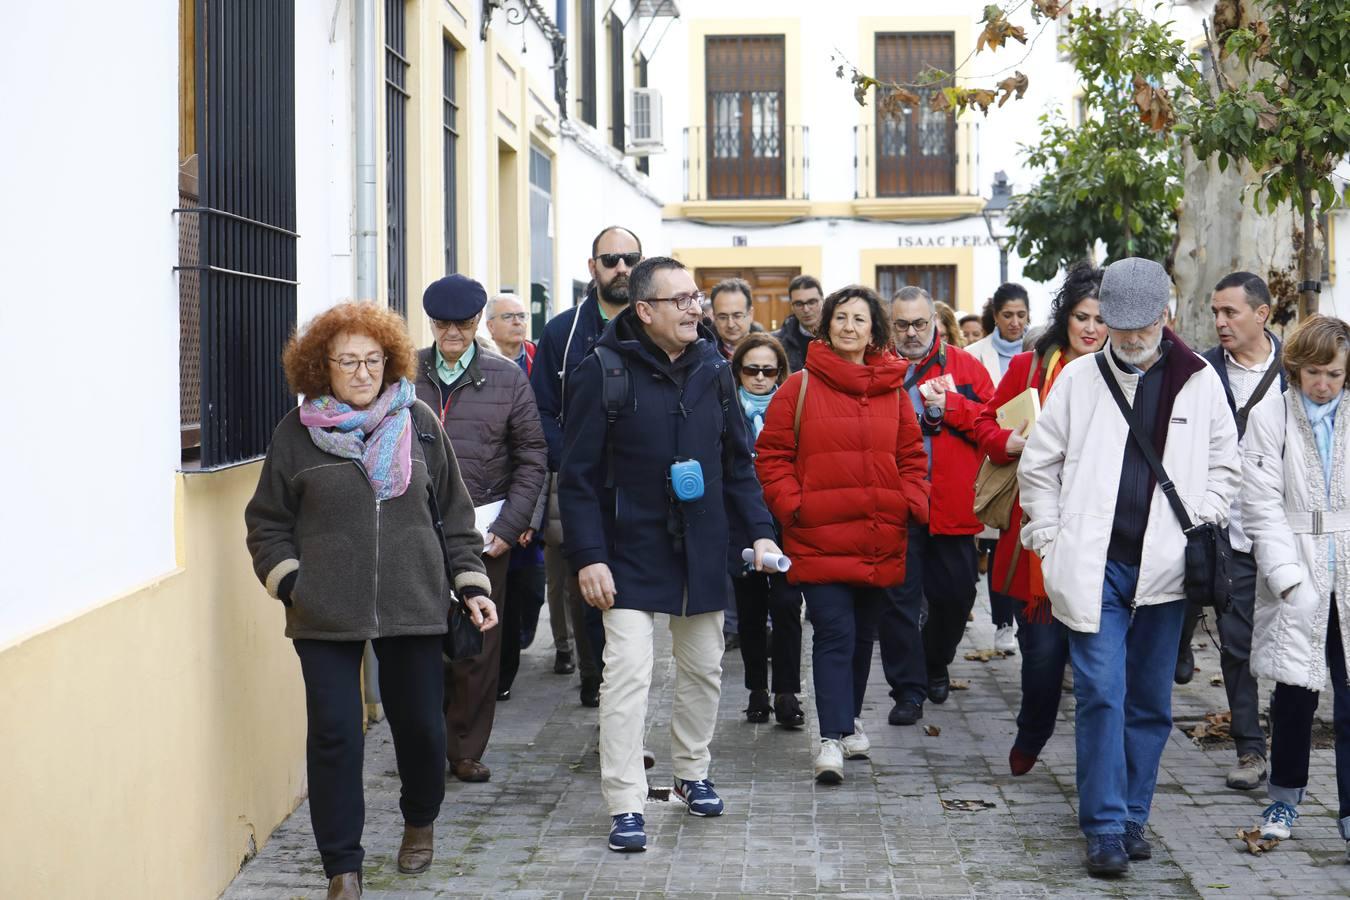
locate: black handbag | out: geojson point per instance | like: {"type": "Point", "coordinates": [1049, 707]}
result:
{"type": "Point", "coordinates": [1209, 555]}
{"type": "Point", "coordinates": [462, 638]}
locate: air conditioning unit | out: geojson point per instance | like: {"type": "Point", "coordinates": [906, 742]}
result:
{"type": "Point", "coordinates": [644, 130]}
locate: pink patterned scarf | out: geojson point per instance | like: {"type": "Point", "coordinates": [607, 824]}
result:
{"type": "Point", "coordinates": [380, 435]}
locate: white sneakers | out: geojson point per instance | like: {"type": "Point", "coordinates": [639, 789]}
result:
{"type": "Point", "coordinates": [1005, 639]}
{"type": "Point", "coordinates": [856, 744]}
{"type": "Point", "coordinates": [830, 757]}
{"type": "Point", "coordinates": [830, 762]}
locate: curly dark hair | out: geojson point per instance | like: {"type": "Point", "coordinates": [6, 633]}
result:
{"type": "Point", "coordinates": [760, 339]}
{"type": "Point", "coordinates": [881, 322]}
{"type": "Point", "coordinates": [1083, 281]}
{"type": "Point", "coordinates": [306, 355]}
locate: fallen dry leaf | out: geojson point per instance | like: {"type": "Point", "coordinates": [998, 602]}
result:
{"type": "Point", "coordinates": [1216, 680]}
{"type": "Point", "coordinates": [967, 805]}
{"type": "Point", "coordinates": [932, 730]}
{"type": "Point", "coordinates": [960, 685]}
{"type": "Point", "coordinates": [985, 655]}
{"type": "Point", "coordinates": [1256, 845]}
{"type": "Point", "coordinates": [1214, 728]}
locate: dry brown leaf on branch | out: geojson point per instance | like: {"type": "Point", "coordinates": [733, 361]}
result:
{"type": "Point", "coordinates": [1050, 8]}
{"type": "Point", "coordinates": [941, 101]}
{"type": "Point", "coordinates": [1262, 32]}
{"type": "Point", "coordinates": [894, 100]}
{"type": "Point", "coordinates": [932, 730]}
{"type": "Point", "coordinates": [1256, 845]}
{"type": "Point", "coordinates": [1155, 107]}
{"type": "Point", "coordinates": [981, 97]}
{"type": "Point", "coordinates": [997, 30]}
{"type": "Point", "coordinates": [967, 805]}
{"type": "Point", "coordinates": [1267, 116]}
{"type": "Point", "coordinates": [1014, 85]}
{"type": "Point", "coordinates": [861, 85]}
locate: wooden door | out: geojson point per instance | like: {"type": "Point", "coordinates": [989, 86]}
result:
{"type": "Point", "coordinates": [768, 285]}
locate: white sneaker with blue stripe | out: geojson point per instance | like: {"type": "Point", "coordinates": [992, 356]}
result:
{"type": "Point", "coordinates": [699, 796]}
{"type": "Point", "coordinates": [1277, 820]}
{"type": "Point", "coordinates": [627, 834]}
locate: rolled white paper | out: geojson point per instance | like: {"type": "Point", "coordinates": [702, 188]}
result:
{"type": "Point", "coordinates": [772, 561]}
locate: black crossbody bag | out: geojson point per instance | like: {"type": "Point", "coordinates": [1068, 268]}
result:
{"type": "Point", "coordinates": [1209, 556]}
{"type": "Point", "coordinates": [462, 638]}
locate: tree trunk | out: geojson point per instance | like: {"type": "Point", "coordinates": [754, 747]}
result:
{"type": "Point", "coordinates": [1309, 270]}
{"type": "Point", "coordinates": [1219, 231]}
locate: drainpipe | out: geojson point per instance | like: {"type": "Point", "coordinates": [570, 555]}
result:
{"type": "Point", "coordinates": [367, 259]}
{"type": "Point", "coordinates": [367, 56]}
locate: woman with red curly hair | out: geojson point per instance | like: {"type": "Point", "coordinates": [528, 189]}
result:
{"type": "Point", "coordinates": [341, 531]}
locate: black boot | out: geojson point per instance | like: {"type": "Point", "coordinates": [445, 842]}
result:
{"type": "Point", "coordinates": [758, 710]}
{"type": "Point", "coordinates": [788, 711]}
{"type": "Point", "coordinates": [590, 692]}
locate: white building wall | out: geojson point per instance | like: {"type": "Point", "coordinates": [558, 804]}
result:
{"type": "Point", "coordinates": [88, 177]}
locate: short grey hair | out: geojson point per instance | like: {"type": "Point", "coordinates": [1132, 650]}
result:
{"type": "Point", "coordinates": [491, 309]}
{"type": "Point", "coordinates": [914, 292]}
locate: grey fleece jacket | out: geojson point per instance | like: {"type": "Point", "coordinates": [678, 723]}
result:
{"type": "Point", "coordinates": [366, 568]}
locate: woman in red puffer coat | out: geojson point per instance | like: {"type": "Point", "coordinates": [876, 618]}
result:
{"type": "Point", "coordinates": [842, 464]}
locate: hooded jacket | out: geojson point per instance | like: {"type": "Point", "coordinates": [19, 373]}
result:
{"type": "Point", "coordinates": [846, 491]}
{"type": "Point", "coordinates": [612, 487]}
{"type": "Point", "coordinates": [1071, 469]}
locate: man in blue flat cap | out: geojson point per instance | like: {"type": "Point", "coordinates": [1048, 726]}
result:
{"type": "Point", "coordinates": [487, 409]}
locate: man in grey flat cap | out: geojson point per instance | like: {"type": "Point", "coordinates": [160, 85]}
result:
{"type": "Point", "coordinates": [1111, 547]}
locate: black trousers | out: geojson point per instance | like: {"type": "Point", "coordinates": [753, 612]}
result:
{"type": "Point", "coordinates": [411, 690]}
{"type": "Point", "coordinates": [1291, 719]}
{"type": "Point", "coordinates": [524, 596]}
{"type": "Point", "coordinates": [757, 597]}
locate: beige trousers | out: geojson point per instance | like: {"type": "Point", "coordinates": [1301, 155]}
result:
{"type": "Point", "coordinates": [698, 646]}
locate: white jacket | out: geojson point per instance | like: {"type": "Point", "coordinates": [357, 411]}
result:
{"type": "Point", "coordinates": [1069, 477]}
{"type": "Point", "coordinates": [1282, 474]}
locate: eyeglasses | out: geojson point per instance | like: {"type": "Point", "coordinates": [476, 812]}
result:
{"type": "Point", "coordinates": [919, 325]}
{"type": "Point", "coordinates": [510, 317]}
{"type": "Point", "coordinates": [766, 371]}
{"type": "Point", "coordinates": [724, 318]}
{"type": "Point", "coordinates": [457, 324]}
{"type": "Point", "coordinates": [349, 364]}
{"type": "Point", "coordinates": [800, 305]}
{"type": "Point", "coordinates": [681, 301]}
{"type": "Point", "coordinates": [610, 260]}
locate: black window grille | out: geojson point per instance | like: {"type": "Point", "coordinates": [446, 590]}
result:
{"type": "Point", "coordinates": [617, 125]}
{"type": "Point", "coordinates": [451, 148]}
{"type": "Point", "coordinates": [938, 281]}
{"type": "Point", "coordinates": [586, 60]}
{"type": "Point", "coordinates": [244, 122]}
{"type": "Point", "coordinates": [644, 162]}
{"type": "Point", "coordinates": [396, 154]}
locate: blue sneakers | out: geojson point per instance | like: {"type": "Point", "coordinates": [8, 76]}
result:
{"type": "Point", "coordinates": [626, 835]}
{"type": "Point", "coordinates": [699, 796]}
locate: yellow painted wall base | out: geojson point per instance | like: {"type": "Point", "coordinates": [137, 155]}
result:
{"type": "Point", "coordinates": [146, 743]}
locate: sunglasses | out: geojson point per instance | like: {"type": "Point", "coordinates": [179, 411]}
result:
{"type": "Point", "coordinates": [610, 260]}
{"type": "Point", "coordinates": [766, 371]}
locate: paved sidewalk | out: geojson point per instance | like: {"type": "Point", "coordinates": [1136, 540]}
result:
{"type": "Point", "coordinates": [538, 828]}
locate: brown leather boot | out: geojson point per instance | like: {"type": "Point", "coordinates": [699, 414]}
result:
{"type": "Point", "coordinates": [414, 854]}
{"type": "Point", "coordinates": [346, 886]}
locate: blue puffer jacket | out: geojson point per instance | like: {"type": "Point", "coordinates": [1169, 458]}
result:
{"type": "Point", "coordinates": [671, 410]}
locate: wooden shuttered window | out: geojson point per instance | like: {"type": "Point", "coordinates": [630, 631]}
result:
{"type": "Point", "coordinates": [746, 122]}
{"type": "Point", "coordinates": [916, 147]}
{"type": "Point", "coordinates": [938, 281]}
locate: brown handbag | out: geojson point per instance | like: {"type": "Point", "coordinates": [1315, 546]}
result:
{"type": "Point", "coordinates": [996, 485]}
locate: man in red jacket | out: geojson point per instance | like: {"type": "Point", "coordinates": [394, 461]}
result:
{"type": "Point", "coordinates": [947, 387]}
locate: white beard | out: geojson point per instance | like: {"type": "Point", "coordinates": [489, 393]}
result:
{"type": "Point", "coordinates": [1138, 355]}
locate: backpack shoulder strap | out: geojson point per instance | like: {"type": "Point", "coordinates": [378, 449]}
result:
{"type": "Point", "coordinates": [797, 416]}
{"type": "Point", "coordinates": [614, 392]}
{"type": "Point", "coordinates": [1262, 387]}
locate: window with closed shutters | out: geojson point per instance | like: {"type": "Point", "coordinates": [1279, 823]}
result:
{"type": "Point", "coordinates": [746, 117]}
{"type": "Point", "coordinates": [915, 146]}
{"type": "Point", "coordinates": [938, 281]}
{"type": "Point", "coordinates": [396, 152]}
{"type": "Point", "coordinates": [450, 153]}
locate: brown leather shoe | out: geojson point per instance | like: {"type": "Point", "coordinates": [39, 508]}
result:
{"type": "Point", "coordinates": [414, 854]}
{"type": "Point", "coordinates": [346, 886]}
{"type": "Point", "coordinates": [470, 770]}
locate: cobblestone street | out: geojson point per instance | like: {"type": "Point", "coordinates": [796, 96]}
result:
{"type": "Point", "coordinates": [538, 828]}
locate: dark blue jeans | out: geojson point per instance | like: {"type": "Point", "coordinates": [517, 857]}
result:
{"type": "Point", "coordinates": [844, 619]}
{"type": "Point", "coordinates": [1002, 608]}
{"type": "Point", "coordinates": [1122, 680]}
{"type": "Point", "coordinates": [1045, 653]}
{"type": "Point", "coordinates": [1291, 718]}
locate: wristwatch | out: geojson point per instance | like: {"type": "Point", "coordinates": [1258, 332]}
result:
{"type": "Point", "coordinates": [933, 412]}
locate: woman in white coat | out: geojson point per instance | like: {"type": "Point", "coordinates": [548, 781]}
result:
{"type": "Point", "coordinates": [1297, 503]}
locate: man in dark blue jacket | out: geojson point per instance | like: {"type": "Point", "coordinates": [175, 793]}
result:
{"type": "Point", "coordinates": [567, 338]}
{"type": "Point", "coordinates": [1248, 362]}
{"type": "Point", "coordinates": [655, 393]}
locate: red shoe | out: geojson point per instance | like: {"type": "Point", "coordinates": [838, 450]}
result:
{"type": "Point", "coordinates": [1020, 762]}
